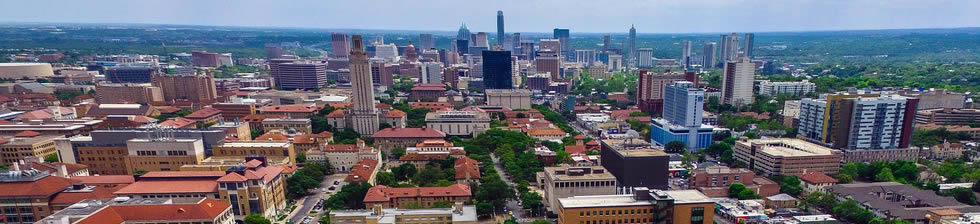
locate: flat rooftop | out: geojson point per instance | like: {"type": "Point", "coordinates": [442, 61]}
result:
{"type": "Point", "coordinates": [596, 201]}
{"type": "Point", "coordinates": [255, 144]}
{"type": "Point", "coordinates": [389, 215]}
{"type": "Point", "coordinates": [591, 175]}
{"type": "Point", "coordinates": [789, 147]}
{"type": "Point", "coordinates": [641, 152]}
{"type": "Point", "coordinates": [688, 196]}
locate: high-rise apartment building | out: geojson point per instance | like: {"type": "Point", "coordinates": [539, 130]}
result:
{"type": "Point", "coordinates": [548, 62]}
{"type": "Point", "coordinates": [632, 47]}
{"type": "Point", "coordinates": [649, 92]}
{"type": "Point", "coordinates": [341, 45]}
{"type": "Point", "coordinates": [381, 73]}
{"type": "Point", "coordinates": [273, 51]}
{"type": "Point", "coordinates": [737, 82]}
{"type": "Point", "coordinates": [644, 57]}
{"type": "Point", "coordinates": [686, 54]}
{"type": "Point", "coordinates": [585, 57]}
{"type": "Point", "coordinates": [859, 121]}
{"type": "Point", "coordinates": [749, 44]}
{"type": "Point", "coordinates": [364, 115]}
{"type": "Point", "coordinates": [388, 52]}
{"type": "Point", "coordinates": [728, 48]}
{"type": "Point", "coordinates": [198, 89]}
{"type": "Point", "coordinates": [800, 88]}
{"type": "Point", "coordinates": [515, 40]}
{"type": "Point", "coordinates": [615, 63]}
{"type": "Point", "coordinates": [562, 35]}
{"type": "Point", "coordinates": [426, 41]}
{"type": "Point", "coordinates": [500, 28]}
{"type": "Point", "coordinates": [553, 45]}
{"type": "Point", "coordinates": [432, 72]}
{"type": "Point", "coordinates": [708, 59]}
{"type": "Point", "coordinates": [682, 120]}
{"type": "Point", "coordinates": [605, 42]}
{"type": "Point", "coordinates": [497, 69]}
{"type": "Point", "coordinates": [292, 74]}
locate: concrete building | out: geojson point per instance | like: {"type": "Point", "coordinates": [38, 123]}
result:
{"type": "Point", "coordinates": [198, 89]}
{"type": "Point", "coordinates": [29, 70]}
{"type": "Point", "coordinates": [585, 57]}
{"type": "Point", "coordinates": [947, 116]}
{"type": "Point", "coordinates": [132, 74]}
{"type": "Point", "coordinates": [737, 82]}
{"type": "Point", "coordinates": [26, 144]}
{"type": "Point", "coordinates": [644, 57]}
{"type": "Point", "coordinates": [431, 73]}
{"type": "Point", "coordinates": [162, 154]}
{"type": "Point", "coordinates": [564, 181]}
{"type": "Point", "coordinates": [290, 74]}
{"type": "Point", "coordinates": [342, 157]}
{"type": "Point", "coordinates": [635, 166]}
{"type": "Point", "coordinates": [548, 62]}
{"type": "Point", "coordinates": [786, 156]}
{"type": "Point", "coordinates": [206, 59]}
{"type": "Point", "coordinates": [96, 149]}
{"type": "Point", "coordinates": [401, 197]}
{"type": "Point", "coordinates": [643, 206]}
{"type": "Point", "coordinates": [773, 89]}
{"type": "Point", "coordinates": [121, 93]}
{"type": "Point", "coordinates": [458, 123]}
{"type": "Point", "coordinates": [708, 59]}
{"type": "Point", "coordinates": [364, 116]}
{"type": "Point", "coordinates": [341, 45]}
{"type": "Point", "coordinates": [157, 210]}
{"type": "Point", "coordinates": [459, 214]}
{"type": "Point", "coordinates": [615, 63]}
{"type": "Point", "coordinates": [511, 98]}
{"type": "Point", "coordinates": [272, 151]}
{"type": "Point", "coordinates": [936, 98]}
{"type": "Point", "coordinates": [683, 116]}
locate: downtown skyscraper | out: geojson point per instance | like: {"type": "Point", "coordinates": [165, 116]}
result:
{"type": "Point", "coordinates": [749, 44]}
{"type": "Point", "coordinates": [728, 48]}
{"type": "Point", "coordinates": [497, 70]}
{"type": "Point", "coordinates": [500, 28]}
{"type": "Point", "coordinates": [364, 115]}
{"type": "Point", "coordinates": [686, 54]}
{"type": "Point", "coordinates": [341, 45]}
{"type": "Point", "coordinates": [630, 57]}
{"type": "Point", "coordinates": [708, 59]}
{"type": "Point", "coordinates": [463, 33]}
{"type": "Point", "coordinates": [562, 35]}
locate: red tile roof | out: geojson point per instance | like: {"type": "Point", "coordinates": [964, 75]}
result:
{"type": "Point", "coordinates": [272, 136]}
{"type": "Point", "coordinates": [261, 117]}
{"type": "Point", "coordinates": [816, 177]}
{"type": "Point", "coordinates": [35, 115]}
{"type": "Point", "coordinates": [362, 171]}
{"type": "Point", "coordinates": [422, 157]}
{"type": "Point", "coordinates": [105, 179]}
{"type": "Point", "coordinates": [382, 193]}
{"type": "Point", "coordinates": [76, 196]}
{"type": "Point", "coordinates": [409, 133]}
{"type": "Point", "coordinates": [336, 114]}
{"type": "Point", "coordinates": [174, 174]}
{"type": "Point", "coordinates": [575, 149]}
{"type": "Point", "coordinates": [432, 105]}
{"type": "Point", "coordinates": [27, 133]}
{"type": "Point", "coordinates": [206, 209]}
{"type": "Point", "coordinates": [579, 137]}
{"type": "Point", "coordinates": [296, 108]}
{"type": "Point", "coordinates": [170, 186]}
{"type": "Point", "coordinates": [429, 87]}
{"type": "Point", "coordinates": [395, 113]}
{"type": "Point", "coordinates": [167, 109]}
{"type": "Point", "coordinates": [203, 113]}
{"type": "Point", "coordinates": [46, 186]}
{"type": "Point", "coordinates": [466, 166]}
{"type": "Point", "coordinates": [178, 123]}
{"type": "Point", "coordinates": [550, 131]}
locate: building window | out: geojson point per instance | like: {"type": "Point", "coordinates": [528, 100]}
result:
{"type": "Point", "coordinates": [697, 215]}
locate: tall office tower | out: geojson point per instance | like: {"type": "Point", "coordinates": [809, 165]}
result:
{"type": "Point", "coordinates": [463, 33]}
{"type": "Point", "coordinates": [527, 50]}
{"type": "Point", "coordinates": [731, 48]}
{"type": "Point", "coordinates": [585, 57]}
{"type": "Point", "coordinates": [562, 36]}
{"type": "Point", "coordinates": [615, 63]}
{"type": "Point", "coordinates": [859, 121]}
{"type": "Point", "coordinates": [381, 75]}
{"type": "Point", "coordinates": [500, 28]}
{"type": "Point", "coordinates": [290, 74]}
{"type": "Point", "coordinates": [644, 57]}
{"type": "Point", "coordinates": [462, 46]}
{"type": "Point", "coordinates": [548, 62]}
{"type": "Point", "coordinates": [198, 89]}
{"type": "Point", "coordinates": [649, 90]}
{"type": "Point", "coordinates": [632, 47]}
{"type": "Point", "coordinates": [515, 40]}
{"type": "Point", "coordinates": [341, 45]}
{"type": "Point", "coordinates": [553, 45]}
{"type": "Point", "coordinates": [432, 72]}
{"type": "Point", "coordinates": [749, 44]}
{"type": "Point", "coordinates": [364, 115]}
{"type": "Point", "coordinates": [605, 42]}
{"type": "Point", "coordinates": [481, 40]}
{"type": "Point", "coordinates": [272, 51]}
{"type": "Point", "coordinates": [737, 82]}
{"type": "Point", "coordinates": [426, 42]}
{"type": "Point", "coordinates": [708, 55]}
{"type": "Point", "coordinates": [683, 108]}
{"type": "Point", "coordinates": [497, 70]}
{"type": "Point", "coordinates": [686, 54]}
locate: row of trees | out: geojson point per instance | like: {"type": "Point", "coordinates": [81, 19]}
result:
{"type": "Point", "coordinates": [899, 171]}
{"type": "Point", "coordinates": [849, 210]}
{"type": "Point", "coordinates": [306, 178]}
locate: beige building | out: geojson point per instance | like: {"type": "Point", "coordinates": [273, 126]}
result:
{"type": "Point", "coordinates": [787, 156]}
{"type": "Point", "coordinates": [301, 125]}
{"type": "Point", "coordinates": [511, 98]}
{"type": "Point", "coordinates": [459, 214]}
{"type": "Point", "coordinates": [947, 116]}
{"type": "Point", "coordinates": [343, 158]}
{"type": "Point", "coordinates": [458, 123]}
{"type": "Point", "coordinates": [26, 144]}
{"type": "Point", "coordinates": [272, 150]}
{"type": "Point", "coordinates": [162, 154]}
{"type": "Point", "coordinates": [198, 89]}
{"type": "Point", "coordinates": [143, 93]}
{"type": "Point", "coordinates": [643, 206]}
{"type": "Point", "coordinates": [565, 181]}
{"type": "Point", "coordinates": [238, 130]}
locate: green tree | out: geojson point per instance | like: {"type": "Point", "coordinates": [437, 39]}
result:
{"type": "Point", "coordinates": [791, 185]}
{"type": "Point", "coordinates": [256, 219]}
{"type": "Point", "coordinates": [717, 148]}
{"type": "Point", "coordinates": [51, 158]}
{"type": "Point", "coordinates": [404, 171]}
{"type": "Point", "coordinates": [484, 208]}
{"type": "Point", "coordinates": [442, 204]}
{"type": "Point", "coordinates": [398, 152]}
{"type": "Point", "coordinates": [300, 158]}
{"type": "Point", "coordinates": [675, 147]}
{"type": "Point", "coordinates": [734, 189]}
{"type": "Point", "coordinates": [541, 221]}
{"type": "Point", "coordinates": [748, 194]}
{"type": "Point", "coordinates": [885, 175]}
{"type": "Point", "coordinates": [386, 178]}
{"type": "Point", "coordinates": [140, 172]}
{"type": "Point", "coordinates": [728, 156]}
{"type": "Point", "coordinates": [963, 195]}
{"type": "Point", "coordinates": [532, 201]}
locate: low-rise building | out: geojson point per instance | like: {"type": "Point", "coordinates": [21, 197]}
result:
{"type": "Point", "coordinates": [391, 138]}
{"type": "Point", "coordinates": [162, 154]}
{"type": "Point", "coordinates": [511, 98]}
{"type": "Point", "coordinates": [786, 156]}
{"type": "Point", "coordinates": [26, 144]}
{"type": "Point", "coordinates": [365, 170]}
{"type": "Point", "coordinates": [799, 88]}
{"type": "Point", "coordinates": [564, 181]}
{"type": "Point", "coordinates": [715, 180]}
{"type": "Point", "coordinates": [30, 195]}
{"type": "Point", "coordinates": [155, 210]}
{"type": "Point", "coordinates": [780, 201]}
{"type": "Point", "coordinates": [301, 125]}
{"type": "Point", "coordinates": [342, 157]}
{"type": "Point", "coordinates": [273, 151]}
{"type": "Point", "coordinates": [458, 123]}
{"type": "Point", "coordinates": [947, 116]}
{"type": "Point", "coordinates": [815, 181]}
{"type": "Point", "coordinates": [235, 130]}
{"type": "Point", "coordinates": [206, 116]}
{"type": "Point", "coordinates": [467, 170]}
{"type": "Point", "coordinates": [401, 197]}
{"type": "Point", "coordinates": [944, 151]}
{"type": "Point", "coordinates": [643, 206]}
{"type": "Point", "coordinates": [292, 111]}
{"type": "Point", "coordinates": [430, 149]}
{"type": "Point", "coordinates": [741, 211]}
{"type": "Point", "coordinates": [891, 200]}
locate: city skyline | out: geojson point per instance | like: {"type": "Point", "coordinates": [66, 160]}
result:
{"type": "Point", "coordinates": [649, 17]}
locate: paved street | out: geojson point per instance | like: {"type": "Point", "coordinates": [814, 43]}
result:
{"type": "Point", "coordinates": [313, 199]}
{"type": "Point", "coordinates": [511, 204]}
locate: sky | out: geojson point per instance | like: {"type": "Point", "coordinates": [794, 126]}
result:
{"type": "Point", "coordinates": [593, 16]}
